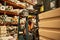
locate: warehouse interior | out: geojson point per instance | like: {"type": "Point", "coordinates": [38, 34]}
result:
{"type": "Point", "coordinates": [29, 19]}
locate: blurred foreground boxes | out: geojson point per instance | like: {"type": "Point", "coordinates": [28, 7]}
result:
{"type": "Point", "coordinates": [49, 25]}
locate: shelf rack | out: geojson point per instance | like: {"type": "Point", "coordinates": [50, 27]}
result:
{"type": "Point", "coordinates": [8, 13]}
{"type": "Point", "coordinates": [14, 4]}
{"type": "Point", "coordinates": [20, 37]}
{"type": "Point", "coordinates": [8, 23]}
{"type": "Point", "coordinates": [29, 2]}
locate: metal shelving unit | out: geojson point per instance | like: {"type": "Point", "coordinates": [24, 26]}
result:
{"type": "Point", "coordinates": [20, 36]}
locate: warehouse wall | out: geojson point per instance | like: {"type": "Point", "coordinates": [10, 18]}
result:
{"type": "Point", "coordinates": [49, 25]}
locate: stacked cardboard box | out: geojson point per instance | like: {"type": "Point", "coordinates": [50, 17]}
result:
{"type": "Point", "coordinates": [49, 25]}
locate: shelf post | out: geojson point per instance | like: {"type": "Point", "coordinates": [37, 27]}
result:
{"type": "Point", "coordinates": [4, 12]}
{"type": "Point", "coordinates": [20, 36]}
{"type": "Point", "coordinates": [37, 20]}
{"type": "Point", "coordinates": [27, 33]}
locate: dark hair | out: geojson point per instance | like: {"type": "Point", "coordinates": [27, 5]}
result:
{"type": "Point", "coordinates": [30, 21]}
